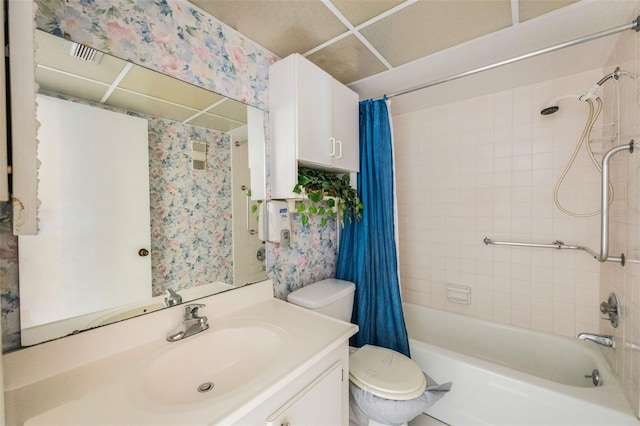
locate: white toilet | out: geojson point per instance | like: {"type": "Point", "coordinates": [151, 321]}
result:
{"type": "Point", "coordinates": [378, 371]}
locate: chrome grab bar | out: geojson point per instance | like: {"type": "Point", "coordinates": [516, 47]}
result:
{"type": "Point", "coordinates": [604, 205]}
{"type": "Point", "coordinates": [604, 219]}
{"type": "Point", "coordinates": [558, 245]}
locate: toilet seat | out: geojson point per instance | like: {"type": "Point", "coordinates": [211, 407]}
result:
{"type": "Point", "coordinates": [386, 373]}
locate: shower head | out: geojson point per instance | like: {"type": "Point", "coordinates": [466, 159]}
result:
{"type": "Point", "coordinates": [552, 105]}
{"type": "Point", "coordinates": [550, 110]}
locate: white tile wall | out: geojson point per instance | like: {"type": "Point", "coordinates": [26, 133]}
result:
{"type": "Point", "coordinates": [625, 222]}
{"type": "Point", "coordinates": [487, 167]}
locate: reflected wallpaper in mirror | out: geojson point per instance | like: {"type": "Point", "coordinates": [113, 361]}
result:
{"type": "Point", "coordinates": [191, 210]}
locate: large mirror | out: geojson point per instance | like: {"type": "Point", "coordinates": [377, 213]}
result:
{"type": "Point", "coordinates": [180, 225]}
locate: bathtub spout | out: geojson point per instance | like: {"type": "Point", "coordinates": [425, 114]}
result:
{"type": "Point", "coordinates": [600, 339]}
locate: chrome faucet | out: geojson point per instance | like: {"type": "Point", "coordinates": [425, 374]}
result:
{"type": "Point", "coordinates": [172, 298]}
{"type": "Point", "coordinates": [600, 339]}
{"type": "Point", "coordinates": [192, 324]}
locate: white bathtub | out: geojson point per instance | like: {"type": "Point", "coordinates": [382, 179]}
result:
{"type": "Point", "coordinates": [505, 375]}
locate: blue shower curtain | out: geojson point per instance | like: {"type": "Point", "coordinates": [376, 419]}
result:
{"type": "Point", "coordinates": [367, 254]}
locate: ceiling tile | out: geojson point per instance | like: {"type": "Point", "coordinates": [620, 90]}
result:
{"type": "Point", "coordinates": [358, 12]}
{"type": "Point", "coordinates": [152, 83]}
{"type": "Point", "coordinates": [68, 85]}
{"type": "Point", "coordinates": [231, 109]}
{"type": "Point", "coordinates": [530, 9]}
{"type": "Point", "coordinates": [50, 52]}
{"type": "Point", "coordinates": [215, 122]}
{"type": "Point", "coordinates": [281, 26]}
{"type": "Point", "coordinates": [347, 60]}
{"type": "Point", "coordinates": [426, 27]}
{"type": "Point", "coordinates": [154, 107]}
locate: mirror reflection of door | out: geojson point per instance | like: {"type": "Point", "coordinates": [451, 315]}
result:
{"type": "Point", "coordinates": [93, 217]}
{"type": "Point", "coordinates": [191, 218]}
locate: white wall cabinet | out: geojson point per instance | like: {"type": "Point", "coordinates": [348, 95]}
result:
{"type": "Point", "coordinates": [314, 122]}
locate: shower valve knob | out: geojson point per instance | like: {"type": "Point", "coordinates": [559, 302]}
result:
{"type": "Point", "coordinates": [611, 309]}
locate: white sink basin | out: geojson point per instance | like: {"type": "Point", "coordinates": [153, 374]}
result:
{"type": "Point", "coordinates": [216, 363]}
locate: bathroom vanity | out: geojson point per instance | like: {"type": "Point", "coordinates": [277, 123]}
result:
{"type": "Point", "coordinates": [262, 361]}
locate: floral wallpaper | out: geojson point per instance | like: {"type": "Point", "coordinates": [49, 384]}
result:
{"type": "Point", "coordinates": [169, 36]}
{"type": "Point", "coordinates": [191, 228]}
{"type": "Point", "coordinates": [311, 256]}
{"type": "Point", "coordinates": [9, 289]}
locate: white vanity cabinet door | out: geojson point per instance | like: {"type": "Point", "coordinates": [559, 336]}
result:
{"type": "Point", "coordinates": [319, 403]}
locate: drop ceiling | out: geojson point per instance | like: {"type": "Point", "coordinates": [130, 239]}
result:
{"type": "Point", "coordinates": [374, 46]}
{"type": "Point", "coordinates": [381, 47]}
{"type": "Point", "coordinates": [120, 84]}
{"type": "Point", "coordinates": [355, 39]}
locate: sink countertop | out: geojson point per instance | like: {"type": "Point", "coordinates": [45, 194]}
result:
{"type": "Point", "coordinates": [101, 392]}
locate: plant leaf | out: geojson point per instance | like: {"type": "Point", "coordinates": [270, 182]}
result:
{"type": "Point", "coordinates": [313, 209]}
{"type": "Point", "coordinates": [301, 207]}
{"type": "Point", "coordinates": [305, 219]}
{"type": "Point", "coordinates": [321, 184]}
{"type": "Point", "coordinates": [323, 221]}
{"type": "Point", "coordinates": [315, 196]}
{"type": "Point", "coordinates": [303, 180]}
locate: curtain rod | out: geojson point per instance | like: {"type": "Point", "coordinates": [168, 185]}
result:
{"type": "Point", "coordinates": [634, 25]}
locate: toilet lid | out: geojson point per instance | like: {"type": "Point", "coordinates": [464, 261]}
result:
{"type": "Point", "coordinates": [386, 373]}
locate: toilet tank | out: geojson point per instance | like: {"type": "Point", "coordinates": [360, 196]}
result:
{"type": "Point", "coordinates": [332, 297]}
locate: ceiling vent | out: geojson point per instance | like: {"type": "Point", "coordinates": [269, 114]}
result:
{"type": "Point", "coordinates": [82, 52]}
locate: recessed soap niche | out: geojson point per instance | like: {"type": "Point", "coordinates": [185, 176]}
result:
{"type": "Point", "coordinates": [460, 294]}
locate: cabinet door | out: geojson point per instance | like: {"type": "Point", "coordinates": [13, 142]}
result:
{"type": "Point", "coordinates": [314, 109]}
{"type": "Point", "coordinates": [346, 118]}
{"type": "Point", "coordinates": [320, 403]}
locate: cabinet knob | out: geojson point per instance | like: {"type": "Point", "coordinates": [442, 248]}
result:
{"type": "Point", "coordinates": [285, 424]}
{"type": "Point", "coordinates": [143, 252]}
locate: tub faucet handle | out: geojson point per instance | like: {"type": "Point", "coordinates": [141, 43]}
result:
{"type": "Point", "coordinates": [611, 309]}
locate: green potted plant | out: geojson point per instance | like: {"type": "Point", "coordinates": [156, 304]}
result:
{"type": "Point", "coordinates": [328, 193]}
